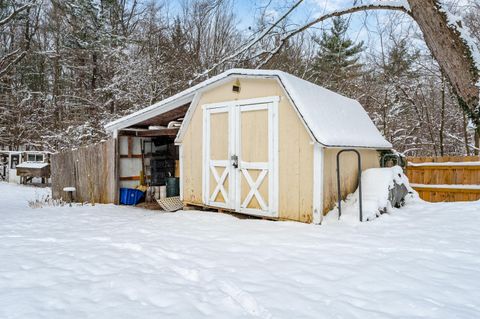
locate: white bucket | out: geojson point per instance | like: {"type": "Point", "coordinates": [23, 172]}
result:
{"type": "Point", "coordinates": [163, 192]}
{"type": "Point", "coordinates": [149, 196]}
{"type": "Point", "coordinates": [156, 191]}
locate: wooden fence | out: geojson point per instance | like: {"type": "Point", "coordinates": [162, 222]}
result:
{"type": "Point", "coordinates": [445, 179]}
{"type": "Point", "coordinates": [91, 170]}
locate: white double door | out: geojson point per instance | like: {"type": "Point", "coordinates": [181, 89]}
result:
{"type": "Point", "coordinates": [241, 156]}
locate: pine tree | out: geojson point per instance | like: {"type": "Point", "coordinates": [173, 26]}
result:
{"type": "Point", "coordinates": [400, 60]}
{"type": "Point", "coordinates": [337, 64]}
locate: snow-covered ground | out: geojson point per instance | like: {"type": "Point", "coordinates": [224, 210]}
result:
{"type": "Point", "coordinates": [422, 261]}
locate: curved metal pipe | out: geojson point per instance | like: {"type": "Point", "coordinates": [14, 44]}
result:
{"type": "Point", "coordinates": [359, 177]}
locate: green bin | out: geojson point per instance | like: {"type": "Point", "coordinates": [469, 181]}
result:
{"type": "Point", "coordinates": [173, 186]}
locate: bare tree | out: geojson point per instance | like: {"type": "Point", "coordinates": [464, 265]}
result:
{"type": "Point", "coordinates": [10, 12]}
{"type": "Point", "coordinates": [71, 66]}
{"type": "Point", "coordinates": [444, 34]}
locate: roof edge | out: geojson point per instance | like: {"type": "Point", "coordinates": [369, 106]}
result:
{"type": "Point", "coordinates": [190, 92]}
{"type": "Point", "coordinates": [188, 96]}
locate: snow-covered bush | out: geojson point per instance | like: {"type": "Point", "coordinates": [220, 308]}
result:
{"type": "Point", "coordinates": [44, 201]}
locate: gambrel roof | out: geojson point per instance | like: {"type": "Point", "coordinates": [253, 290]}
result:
{"type": "Point", "coordinates": [333, 119]}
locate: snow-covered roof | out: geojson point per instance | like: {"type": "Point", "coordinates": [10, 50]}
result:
{"type": "Point", "coordinates": [26, 152]}
{"type": "Point", "coordinates": [333, 119]}
{"type": "Point", "coordinates": [32, 165]}
{"type": "Point", "coordinates": [11, 152]}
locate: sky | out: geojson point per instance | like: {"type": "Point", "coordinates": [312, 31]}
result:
{"type": "Point", "coordinates": [247, 11]}
{"type": "Point", "coordinates": [309, 8]}
{"type": "Point", "coordinates": [362, 26]}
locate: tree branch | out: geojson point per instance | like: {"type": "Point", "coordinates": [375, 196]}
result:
{"type": "Point", "coordinates": [15, 13]}
{"type": "Point", "coordinates": [364, 7]}
{"type": "Point", "coordinates": [7, 56]}
{"type": "Point", "coordinates": [460, 140]}
{"type": "Point", "coordinates": [381, 5]}
{"type": "Point", "coordinates": [11, 64]}
{"type": "Point", "coordinates": [28, 36]}
{"type": "Point", "coordinates": [250, 44]}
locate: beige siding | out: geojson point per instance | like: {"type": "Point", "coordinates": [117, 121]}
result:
{"type": "Point", "coordinates": [295, 149]}
{"type": "Point", "coordinates": [254, 127]}
{"type": "Point", "coordinates": [348, 164]}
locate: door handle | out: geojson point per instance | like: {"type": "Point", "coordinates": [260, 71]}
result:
{"type": "Point", "coordinates": [234, 159]}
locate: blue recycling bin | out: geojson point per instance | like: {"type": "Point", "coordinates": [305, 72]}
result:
{"type": "Point", "coordinates": [130, 196]}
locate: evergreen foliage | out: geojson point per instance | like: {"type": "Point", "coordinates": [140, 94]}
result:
{"type": "Point", "coordinates": [337, 61]}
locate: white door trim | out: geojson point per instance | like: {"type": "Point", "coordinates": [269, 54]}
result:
{"type": "Point", "coordinates": [220, 180]}
{"type": "Point", "coordinates": [260, 100]}
{"type": "Point", "coordinates": [234, 109]}
{"type": "Point", "coordinates": [270, 167]}
{"type": "Point", "coordinates": [180, 157]}
{"type": "Point", "coordinates": [274, 157]}
{"type": "Point", "coordinates": [209, 166]}
{"type": "Point", "coordinates": [254, 185]}
{"type": "Point", "coordinates": [205, 151]}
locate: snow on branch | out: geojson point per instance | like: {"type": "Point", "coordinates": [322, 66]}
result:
{"type": "Point", "coordinates": [15, 12]}
{"type": "Point", "coordinates": [4, 70]}
{"type": "Point", "coordinates": [381, 5]}
{"type": "Point", "coordinates": [456, 23]}
{"type": "Point", "coordinates": [460, 140]}
{"type": "Point", "coordinates": [250, 44]}
{"type": "Point", "coordinates": [378, 5]}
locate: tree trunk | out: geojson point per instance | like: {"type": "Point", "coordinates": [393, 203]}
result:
{"type": "Point", "coordinates": [477, 140]}
{"type": "Point", "coordinates": [93, 81]}
{"type": "Point", "coordinates": [465, 134]}
{"type": "Point", "coordinates": [442, 117]}
{"type": "Point", "coordinates": [451, 52]}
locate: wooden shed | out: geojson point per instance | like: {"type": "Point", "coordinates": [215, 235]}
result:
{"type": "Point", "coordinates": [22, 167]}
{"type": "Point", "coordinates": [262, 143]}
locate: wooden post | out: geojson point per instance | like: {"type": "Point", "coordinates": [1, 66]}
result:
{"type": "Point", "coordinates": [116, 169]}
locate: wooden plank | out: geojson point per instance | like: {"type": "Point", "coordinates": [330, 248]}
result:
{"type": "Point", "coordinates": [165, 118]}
{"type": "Point", "coordinates": [447, 189]}
{"type": "Point", "coordinates": [443, 159]}
{"type": "Point", "coordinates": [131, 178]}
{"type": "Point", "coordinates": [116, 171]}
{"type": "Point", "coordinates": [172, 132]}
{"type": "Point", "coordinates": [426, 195]}
{"type": "Point", "coordinates": [169, 132]}
{"type": "Point", "coordinates": [34, 172]}
{"type": "Point", "coordinates": [466, 174]}
{"type": "Point", "coordinates": [443, 167]}
{"type": "Point", "coordinates": [131, 156]}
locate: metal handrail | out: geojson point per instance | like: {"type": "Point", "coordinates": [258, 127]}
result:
{"type": "Point", "coordinates": [359, 161]}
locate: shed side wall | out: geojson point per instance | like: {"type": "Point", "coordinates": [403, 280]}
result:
{"type": "Point", "coordinates": [348, 173]}
{"type": "Point", "coordinates": [295, 149]}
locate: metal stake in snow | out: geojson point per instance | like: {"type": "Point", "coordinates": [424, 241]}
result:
{"type": "Point", "coordinates": [359, 160]}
